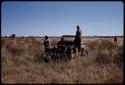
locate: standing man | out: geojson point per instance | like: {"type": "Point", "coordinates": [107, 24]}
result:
{"type": "Point", "coordinates": [78, 38]}
{"type": "Point", "coordinates": [115, 39]}
{"type": "Point", "coordinates": [47, 44]}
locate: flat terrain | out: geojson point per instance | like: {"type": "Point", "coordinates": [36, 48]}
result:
{"type": "Point", "coordinates": [103, 64]}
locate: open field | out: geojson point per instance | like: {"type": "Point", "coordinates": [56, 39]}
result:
{"type": "Point", "coordinates": [103, 64]}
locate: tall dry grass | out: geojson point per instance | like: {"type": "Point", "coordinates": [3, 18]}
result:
{"type": "Point", "coordinates": [104, 64]}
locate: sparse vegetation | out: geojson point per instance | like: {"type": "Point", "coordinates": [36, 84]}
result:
{"type": "Point", "coordinates": [109, 52]}
{"type": "Point", "coordinates": [103, 65]}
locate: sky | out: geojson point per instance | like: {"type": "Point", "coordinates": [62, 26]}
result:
{"type": "Point", "coordinates": [57, 18]}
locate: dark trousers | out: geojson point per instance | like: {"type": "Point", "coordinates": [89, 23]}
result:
{"type": "Point", "coordinates": [78, 44]}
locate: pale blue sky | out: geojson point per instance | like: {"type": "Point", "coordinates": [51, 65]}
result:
{"type": "Point", "coordinates": [61, 18]}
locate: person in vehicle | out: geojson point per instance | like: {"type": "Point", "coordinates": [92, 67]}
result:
{"type": "Point", "coordinates": [61, 44]}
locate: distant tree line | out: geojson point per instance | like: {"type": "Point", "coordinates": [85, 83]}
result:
{"type": "Point", "coordinates": [14, 35]}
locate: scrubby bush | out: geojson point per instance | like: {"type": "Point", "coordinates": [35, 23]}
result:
{"type": "Point", "coordinates": [92, 44]}
{"type": "Point", "coordinates": [20, 49]}
{"type": "Point", "coordinates": [109, 52]}
{"type": "Point", "coordinates": [107, 44]}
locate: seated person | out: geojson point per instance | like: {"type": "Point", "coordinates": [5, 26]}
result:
{"type": "Point", "coordinates": [61, 44]}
